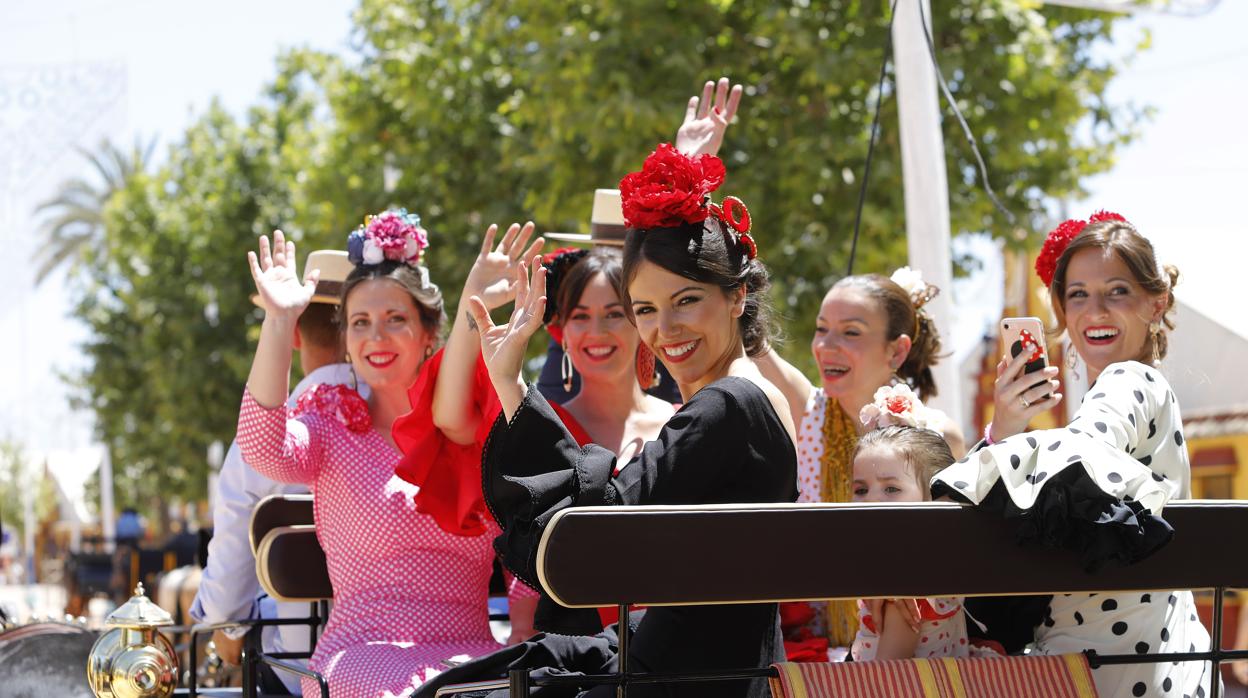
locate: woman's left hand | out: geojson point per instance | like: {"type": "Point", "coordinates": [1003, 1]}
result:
{"type": "Point", "coordinates": [503, 346]}
{"type": "Point", "coordinates": [493, 274]}
{"type": "Point", "coordinates": [706, 120]}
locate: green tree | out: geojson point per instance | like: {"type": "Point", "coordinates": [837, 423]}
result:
{"type": "Point", "coordinates": [167, 303]}
{"type": "Point", "coordinates": [479, 112]}
{"type": "Point", "coordinates": [19, 478]}
{"type": "Point", "coordinates": [498, 111]}
{"type": "Point", "coordinates": [75, 215]}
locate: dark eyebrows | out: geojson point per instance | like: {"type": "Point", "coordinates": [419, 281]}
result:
{"type": "Point", "coordinates": [687, 288]}
{"type": "Point", "coordinates": [616, 304]}
{"type": "Point", "coordinates": [1110, 280]}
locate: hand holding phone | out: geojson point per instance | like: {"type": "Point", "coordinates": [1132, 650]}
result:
{"type": "Point", "coordinates": [1026, 384]}
{"type": "Point", "coordinates": [1026, 334]}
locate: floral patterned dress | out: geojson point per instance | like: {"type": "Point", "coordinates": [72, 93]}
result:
{"type": "Point", "coordinates": [407, 594]}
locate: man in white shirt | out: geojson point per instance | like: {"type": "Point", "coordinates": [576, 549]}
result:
{"type": "Point", "coordinates": [229, 590]}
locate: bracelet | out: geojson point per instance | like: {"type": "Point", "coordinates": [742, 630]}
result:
{"type": "Point", "coordinates": [988, 434]}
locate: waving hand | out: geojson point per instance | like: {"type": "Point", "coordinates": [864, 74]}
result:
{"type": "Point", "coordinates": [503, 346]}
{"type": "Point", "coordinates": [707, 118]}
{"type": "Point", "coordinates": [277, 280]}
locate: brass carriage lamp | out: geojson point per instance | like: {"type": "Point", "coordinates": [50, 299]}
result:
{"type": "Point", "coordinates": [132, 659]}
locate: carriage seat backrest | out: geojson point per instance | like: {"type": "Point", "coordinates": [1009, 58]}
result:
{"type": "Point", "coordinates": [665, 555]}
{"type": "Point", "coordinates": [279, 510]}
{"type": "Point", "coordinates": [291, 565]}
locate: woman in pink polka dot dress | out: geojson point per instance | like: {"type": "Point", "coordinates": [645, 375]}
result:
{"type": "Point", "coordinates": [410, 590]}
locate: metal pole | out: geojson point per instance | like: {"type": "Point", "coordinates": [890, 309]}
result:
{"type": "Point", "coordinates": [518, 683]}
{"type": "Point", "coordinates": [1219, 595]}
{"type": "Point", "coordinates": [926, 186]}
{"type": "Point", "coordinates": [623, 629]}
{"type": "Point", "coordinates": [108, 520]}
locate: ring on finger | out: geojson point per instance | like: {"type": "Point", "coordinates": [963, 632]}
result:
{"type": "Point", "coordinates": [1026, 404]}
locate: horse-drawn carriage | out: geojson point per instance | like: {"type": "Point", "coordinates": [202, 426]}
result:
{"type": "Point", "coordinates": [758, 553]}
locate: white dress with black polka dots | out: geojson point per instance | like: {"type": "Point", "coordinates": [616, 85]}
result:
{"type": "Point", "coordinates": [1127, 439]}
{"type": "Point", "coordinates": [407, 595]}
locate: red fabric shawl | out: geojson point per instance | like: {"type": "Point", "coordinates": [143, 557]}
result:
{"type": "Point", "coordinates": [449, 474]}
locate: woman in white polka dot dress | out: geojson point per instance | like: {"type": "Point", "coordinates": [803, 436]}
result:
{"type": "Point", "coordinates": [408, 592]}
{"type": "Point", "coordinates": [1099, 485]}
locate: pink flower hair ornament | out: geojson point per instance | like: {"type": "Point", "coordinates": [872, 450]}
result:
{"type": "Point", "coordinates": [897, 405]}
{"type": "Point", "coordinates": [393, 235]}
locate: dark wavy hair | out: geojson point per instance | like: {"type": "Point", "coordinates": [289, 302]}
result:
{"type": "Point", "coordinates": [426, 296]}
{"type": "Point", "coordinates": [708, 253]}
{"type": "Point", "coordinates": [570, 281]}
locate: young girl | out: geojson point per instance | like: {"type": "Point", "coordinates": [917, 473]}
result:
{"type": "Point", "coordinates": [894, 463]}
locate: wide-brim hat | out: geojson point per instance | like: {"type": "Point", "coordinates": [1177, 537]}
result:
{"type": "Point", "coordinates": [606, 222]}
{"type": "Point", "coordinates": [334, 267]}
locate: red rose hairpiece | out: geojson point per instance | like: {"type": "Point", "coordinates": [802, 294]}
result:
{"type": "Point", "coordinates": [1056, 242]}
{"type": "Point", "coordinates": [671, 189]}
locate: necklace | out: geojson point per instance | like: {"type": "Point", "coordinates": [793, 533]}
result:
{"type": "Point", "coordinates": [836, 476]}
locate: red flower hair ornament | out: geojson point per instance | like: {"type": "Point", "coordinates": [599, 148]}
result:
{"type": "Point", "coordinates": [673, 190]}
{"type": "Point", "coordinates": [1056, 242]}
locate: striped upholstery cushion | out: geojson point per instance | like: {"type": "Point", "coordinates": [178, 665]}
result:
{"type": "Point", "coordinates": [980, 677]}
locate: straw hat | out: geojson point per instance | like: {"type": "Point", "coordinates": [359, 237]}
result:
{"type": "Point", "coordinates": [334, 267]}
{"type": "Point", "coordinates": [606, 222]}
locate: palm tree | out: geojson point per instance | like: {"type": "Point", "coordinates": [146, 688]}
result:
{"type": "Point", "coordinates": [76, 214]}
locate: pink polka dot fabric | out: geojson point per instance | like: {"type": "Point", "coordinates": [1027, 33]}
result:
{"type": "Point", "coordinates": [407, 595]}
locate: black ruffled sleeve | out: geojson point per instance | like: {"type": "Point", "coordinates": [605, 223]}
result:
{"type": "Point", "coordinates": [724, 445]}
{"type": "Point", "coordinates": [1097, 486]}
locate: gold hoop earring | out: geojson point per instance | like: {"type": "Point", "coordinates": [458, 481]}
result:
{"type": "Point", "coordinates": [565, 368]}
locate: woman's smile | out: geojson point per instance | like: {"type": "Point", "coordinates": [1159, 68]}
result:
{"type": "Point", "coordinates": [381, 359]}
{"type": "Point", "coordinates": [598, 352]}
{"type": "Point", "coordinates": [677, 353]}
{"type": "Point", "coordinates": [1101, 335]}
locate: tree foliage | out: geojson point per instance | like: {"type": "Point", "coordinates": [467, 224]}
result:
{"type": "Point", "coordinates": [19, 477]}
{"type": "Point", "coordinates": [74, 217]}
{"type": "Point", "coordinates": [476, 112]}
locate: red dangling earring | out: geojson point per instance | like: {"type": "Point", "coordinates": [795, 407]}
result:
{"type": "Point", "coordinates": [647, 377]}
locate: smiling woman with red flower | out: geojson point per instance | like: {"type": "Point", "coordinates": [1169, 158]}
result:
{"type": "Point", "coordinates": [695, 290]}
{"type": "Point", "coordinates": [1100, 485]}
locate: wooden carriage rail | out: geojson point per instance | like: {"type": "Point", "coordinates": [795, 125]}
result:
{"type": "Point", "coordinates": [723, 554]}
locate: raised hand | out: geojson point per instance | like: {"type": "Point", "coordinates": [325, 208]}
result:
{"type": "Point", "coordinates": [277, 280]}
{"type": "Point", "coordinates": [503, 346]}
{"type": "Point", "coordinates": [493, 274]}
{"type": "Point", "coordinates": [707, 118]}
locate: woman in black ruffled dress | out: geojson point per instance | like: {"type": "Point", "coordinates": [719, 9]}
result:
{"type": "Point", "coordinates": [694, 287]}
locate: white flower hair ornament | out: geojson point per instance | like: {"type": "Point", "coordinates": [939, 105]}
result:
{"type": "Point", "coordinates": [911, 281]}
{"type": "Point", "coordinates": [897, 405]}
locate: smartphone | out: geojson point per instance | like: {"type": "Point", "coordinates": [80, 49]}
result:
{"type": "Point", "coordinates": [1026, 334]}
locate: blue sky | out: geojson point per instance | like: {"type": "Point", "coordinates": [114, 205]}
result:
{"type": "Point", "coordinates": [1181, 183]}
